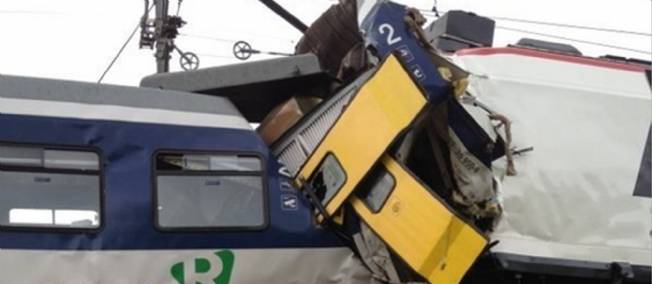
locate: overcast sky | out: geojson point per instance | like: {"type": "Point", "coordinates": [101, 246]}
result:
{"type": "Point", "coordinates": [76, 39]}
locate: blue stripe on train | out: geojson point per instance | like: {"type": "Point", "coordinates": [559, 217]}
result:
{"type": "Point", "coordinates": [127, 150]}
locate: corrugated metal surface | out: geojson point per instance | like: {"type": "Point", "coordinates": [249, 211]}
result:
{"type": "Point", "coordinates": [295, 146]}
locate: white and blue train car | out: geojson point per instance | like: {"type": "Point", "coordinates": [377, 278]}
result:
{"type": "Point", "coordinates": [109, 184]}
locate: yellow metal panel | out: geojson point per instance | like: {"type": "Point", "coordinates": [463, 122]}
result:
{"type": "Point", "coordinates": [422, 230]}
{"type": "Point", "coordinates": [383, 107]}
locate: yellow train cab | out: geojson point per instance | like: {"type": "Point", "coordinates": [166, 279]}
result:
{"type": "Point", "coordinates": [416, 224]}
{"type": "Point", "coordinates": [383, 107]}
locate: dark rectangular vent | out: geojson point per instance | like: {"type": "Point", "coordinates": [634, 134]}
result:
{"type": "Point", "coordinates": [548, 46]}
{"type": "Point", "coordinates": [457, 30]}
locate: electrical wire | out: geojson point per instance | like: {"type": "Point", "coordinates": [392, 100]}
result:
{"type": "Point", "coordinates": [225, 39]}
{"type": "Point", "coordinates": [209, 37]}
{"type": "Point", "coordinates": [563, 25]}
{"type": "Point", "coordinates": [179, 7]}
{"type": "Point", "coordinates": [433, 14]}
{"type": "Point", "coordinates": [566, 38]}
{"type": "Point", "coordinates": [573, 26]}
{"type": "Point", "coordinates": [216, 56]}
{"type": "Point", "coordinates": [30, 12]}
{"type": "Point", "coordinates": [123, 47]}
{"type": "Point", "coordinates": [575, 40]}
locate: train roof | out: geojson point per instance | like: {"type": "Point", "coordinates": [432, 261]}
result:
{"type": "Point", "coordinates": [59, 98]}
{"type": "Point", "coordinates": [254, 87]}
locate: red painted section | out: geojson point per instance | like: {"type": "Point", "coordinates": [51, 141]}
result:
{"type": "Point", "coordinates": [553, 56]}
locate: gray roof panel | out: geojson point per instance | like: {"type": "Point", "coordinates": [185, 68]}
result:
{"type": "Point", "coordinates": [253, 87]}
{"type": "Point", "coordinates": [236, 74]}
{"type": "Point", "coordinates": [101, 94]}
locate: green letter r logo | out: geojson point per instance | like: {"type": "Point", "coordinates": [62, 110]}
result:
{"type": "Point", "coordinates": [204, 270]}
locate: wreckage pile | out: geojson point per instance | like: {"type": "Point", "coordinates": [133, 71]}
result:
{"type": "Point", "coordinates": [368, 123]}
{"type": "Point", "coordinates": [388, 156]}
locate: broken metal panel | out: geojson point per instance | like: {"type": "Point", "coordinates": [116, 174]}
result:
{"type": "Point", "coordinates": [473, 137]}
{"type": "Point", "coordinates": [375, 255]}
{"type": "Point", "coordinates": [388, 29]}
{"type": "Point", "coordinates": [588, 135]}
{"type": "Point", "coordinates": [417, 225]}
{"type": "Point", "coordinates": [254, 87]}
{"type": "Point", "coordinates": [382, 109]}
{"type": "Point", "coordinates": [332, 36]}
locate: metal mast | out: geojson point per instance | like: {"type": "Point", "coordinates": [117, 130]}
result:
{"type": "Point", "coordinates": [160, 33]}
{"type": "Point", "coordinates": [163, 44]}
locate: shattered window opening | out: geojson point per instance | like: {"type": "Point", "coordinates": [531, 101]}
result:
{"type": "Point", "coordinates": [328, 179]}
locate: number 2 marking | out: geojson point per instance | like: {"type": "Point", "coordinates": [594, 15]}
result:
{"type": "Point", "coordinates": [387, 28]}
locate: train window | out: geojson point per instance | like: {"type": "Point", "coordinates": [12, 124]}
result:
{"type": "Point", "coordinates": [200, 191]}
{"type": "Point", "coordinates": [43, 187]}
{"type": "Point", "coordinates": [376, 188]}
{"type": "Point", "coordinates": [328, 179]}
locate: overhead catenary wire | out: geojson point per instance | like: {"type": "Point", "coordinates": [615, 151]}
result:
{"type": "Point", "coordinates": [216, 56]}
{"type": "Point", "coordinates": [574, 26]}
{"type": "Point", "coordinates": [562, 37]}
{"type": "Point", "coordinates": [234, 58]}
{"type": "Point", "coordinates": [123, 47]}
{"type": "Point", "coordinates": [574, 40]}
{"type": "Point", "coordinates": [209, 37]}
{"type": "Point", "coordinates": [227, 39]}
{"type": "Point", "coordinates": [179, 7]}
{"type": "Point", "coordinates": [555, 24]}
{"type": "Point", "coordinates": [30, 12]}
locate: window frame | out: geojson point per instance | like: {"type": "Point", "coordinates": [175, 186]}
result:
{"type": "Point", "coordinates": [154, 188]}
{"type": "Point", "coordinates": [100, 172]}
{"type": "Point", "coordinates": [369, 175]}
{"type": "Point", "coordinates": [320, 165]}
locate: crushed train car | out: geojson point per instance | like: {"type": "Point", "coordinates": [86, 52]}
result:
{"type": "Point", "coordinates": [387, 152]}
